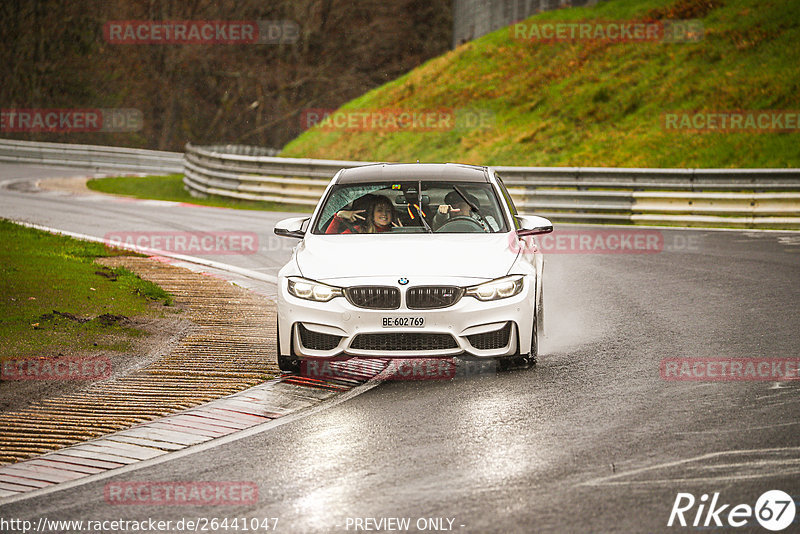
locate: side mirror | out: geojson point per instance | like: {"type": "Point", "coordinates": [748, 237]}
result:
{"type": "Point", "coordinates": [533, 225]}
{"type": "Point", "coordinates": [294, 227]}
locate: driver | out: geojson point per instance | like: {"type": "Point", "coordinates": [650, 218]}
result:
{"type": "Point", "coordinates": [455, 206]}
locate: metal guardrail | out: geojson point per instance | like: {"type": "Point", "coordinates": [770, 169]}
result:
{"type": "Point", "coordinates": [660, 179]}
{"type": "Point", "coordinates": [215, 171]}
{"type": "Point", "coordinates": [747, 198]}
{"type": "Point", "coordinates": [93, 156]}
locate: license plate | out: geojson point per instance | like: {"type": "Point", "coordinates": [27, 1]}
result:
{"type": "Point", "coordinates": [403, 322]}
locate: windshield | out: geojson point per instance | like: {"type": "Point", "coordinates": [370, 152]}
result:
{"type": "Point", "coordinates": [410, 207]}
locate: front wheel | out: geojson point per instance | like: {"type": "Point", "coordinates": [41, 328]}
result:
{"type": "Point", "coordinates": [517, 360]}
{"type": "Point", "coordinates": [530, 358]}
{"type": "Point", "coordinates": [288, 364]}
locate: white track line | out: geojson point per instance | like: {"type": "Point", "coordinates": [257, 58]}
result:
{"type": "Point", "coordinates": [255, 275]}
{"type": "Point", "coordinates": [612, 480]}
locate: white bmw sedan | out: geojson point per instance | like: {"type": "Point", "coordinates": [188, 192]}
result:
{"type": "Point", "coordinates": [411, 260]}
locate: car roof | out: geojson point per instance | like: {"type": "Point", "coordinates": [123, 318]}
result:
{"type": "Point", "coordinates": [402, 172]}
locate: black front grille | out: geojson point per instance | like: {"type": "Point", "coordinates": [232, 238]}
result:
{"type": "Point", "coordinates": [428, 297]}
{"type": "Point", "coordinates": [491, 340]}
{"type": "Point", "coordinates": [374, 297]}
{"type": "Point", "coordinates": [317, 341]}
{"type": "Point", "coordinates": [404, 341]}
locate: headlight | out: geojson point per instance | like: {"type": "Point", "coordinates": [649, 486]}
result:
{"type": "Point", "coordinates": [311, 290]}
{"type": "Point", "coordinates": [501, 288]}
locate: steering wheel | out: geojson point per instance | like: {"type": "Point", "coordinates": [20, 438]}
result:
{"type": "Point", "coordinates": [461, 224]}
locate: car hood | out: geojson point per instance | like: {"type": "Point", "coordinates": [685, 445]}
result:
{"type": "Point", "coordinates": [328, 257]}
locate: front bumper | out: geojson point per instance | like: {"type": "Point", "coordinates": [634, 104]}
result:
{"type": "Point", "coordinates": [337, 328]}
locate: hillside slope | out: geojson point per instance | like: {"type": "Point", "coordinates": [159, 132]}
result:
{"type": "Point", "coordinates": [590, 102]}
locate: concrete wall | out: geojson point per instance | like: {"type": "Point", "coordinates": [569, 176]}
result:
{"type": "Point", "coordinates": [473, 18]}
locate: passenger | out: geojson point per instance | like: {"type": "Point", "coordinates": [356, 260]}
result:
{"type": "Point", "coordinates": [378, 217]}
{"type": "Point", "coordinates": [346, 219]}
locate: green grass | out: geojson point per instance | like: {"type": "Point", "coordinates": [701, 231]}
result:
{"type": "Point", "coordinates": [171, 188]}
{"type": "Point", "coordinates": [596, 103]}
{"type": "Point", "coordinates": [41, 274]}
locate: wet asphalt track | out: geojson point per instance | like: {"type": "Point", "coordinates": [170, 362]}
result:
{"type": "Point", "coordinates": [592, 439]}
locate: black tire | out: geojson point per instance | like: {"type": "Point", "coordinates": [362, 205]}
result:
{"type": "Point", "coordinates": [540, 309]}
{"type": "Point", "coordinates": [531, 357]}
{"type": "Point", "coordinates": [515, 361]}
{"type": "Point", "coordinates": [287, 364]}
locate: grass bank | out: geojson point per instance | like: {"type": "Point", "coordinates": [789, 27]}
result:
{"type": "Point", "coordinates": [170, 188]}
{"type": "Point", "coordinates": [592, 102]}
{"type": "Point", "coordinates": [55, 299]}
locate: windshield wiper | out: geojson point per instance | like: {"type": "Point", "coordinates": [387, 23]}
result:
{"type": "Point", "coordinates": [422, 218]}
{"type": "Point", "coordinates": [472, 206]}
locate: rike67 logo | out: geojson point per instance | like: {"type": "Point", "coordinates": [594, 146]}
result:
{"type": "Point", "coordinates": [774, 510]}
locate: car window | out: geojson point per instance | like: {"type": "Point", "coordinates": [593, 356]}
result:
{"type": "Point", "coordinates": [343, 197]}
{"type": "Point", "coordinates": [438, 207]}
{"type": "Point", "coordinates": [509, 201]}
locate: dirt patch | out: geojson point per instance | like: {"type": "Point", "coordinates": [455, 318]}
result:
{"type": "Point", "coordinates": [107, 319]}
{"type": "Point", "coordinates": [65, 315]}
{"type": "Point", "coordinates": [73, 184]}
{"type": "Point", "coordinates": [160, 336]}
{"type": "Point", "coordinates": [110, 319]}
{"type": "Point", "coordinates": [107, 274]}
